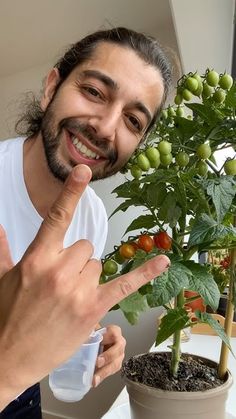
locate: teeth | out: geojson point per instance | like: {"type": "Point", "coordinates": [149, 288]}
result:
{"type": "Point", "coordinates": [83, 149]}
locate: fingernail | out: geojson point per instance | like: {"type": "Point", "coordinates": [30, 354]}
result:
{"type": "Point", "coordinates": [97, 380]}
{"type": "Point", "coordinates": [100, 361]}
{"type": "Point", "coordinates": [82, 173]}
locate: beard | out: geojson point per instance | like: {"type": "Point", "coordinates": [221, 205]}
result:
{"type": "Point", "coordinates": [52, 135]}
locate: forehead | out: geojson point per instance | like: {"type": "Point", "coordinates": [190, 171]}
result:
{"type": "Point", "coordinates": [135, 79]}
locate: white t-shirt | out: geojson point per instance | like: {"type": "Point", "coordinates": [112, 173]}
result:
{"type": "Point", "coordinates": [20, 219]}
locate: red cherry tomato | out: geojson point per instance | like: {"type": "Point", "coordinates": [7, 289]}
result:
{"type": "Point", "coordinates": [162, 240]}
{"type": "Point", "coordinates": [145, 242]}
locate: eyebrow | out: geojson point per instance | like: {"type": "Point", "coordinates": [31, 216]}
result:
{"type": "Point", "coordinates": [108, 81]}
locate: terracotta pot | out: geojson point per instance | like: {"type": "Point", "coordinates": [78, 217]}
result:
{"type": "Point", "coordinates": [196, 304]}
{"type": "Point", "coordinates": [151, 403]}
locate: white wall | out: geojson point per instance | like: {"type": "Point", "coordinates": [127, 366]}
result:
{"type": "Point", "coordinates": [204, 30]}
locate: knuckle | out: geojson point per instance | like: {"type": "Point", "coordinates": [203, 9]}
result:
{"type": "Point", "coordinates": [57, 214]}
{"type": "Point", "coordinates": [30, 266]}
{"type": "Point", "coordinates": [126, 287]}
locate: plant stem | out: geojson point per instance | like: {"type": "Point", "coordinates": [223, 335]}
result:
{"type": "Point", "coordinates": [224, 354]}
{"type": "Point", "coordinates": [175, 349]}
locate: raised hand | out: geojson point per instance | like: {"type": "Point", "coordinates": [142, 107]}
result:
{"type": "Point", "coordinates": [51, 300]}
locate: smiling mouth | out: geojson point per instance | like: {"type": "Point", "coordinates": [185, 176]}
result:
{"type": "Point", "coordinates": [85, 151]}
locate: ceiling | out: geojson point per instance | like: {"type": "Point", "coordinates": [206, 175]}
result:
{"type": "Point", "coordinates": [36, 32]}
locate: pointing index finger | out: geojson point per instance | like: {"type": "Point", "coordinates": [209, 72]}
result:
{"type": "Point", "coordinates": [118, 289]}
{"type": "Point", "coordinates": [59, 216]}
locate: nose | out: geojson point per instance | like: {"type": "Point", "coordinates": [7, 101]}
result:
{"type": "Point", "coordinates": [105, 124]}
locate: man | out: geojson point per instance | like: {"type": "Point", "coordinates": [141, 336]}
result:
{"type": "Point", "coordinates": [92, 112]}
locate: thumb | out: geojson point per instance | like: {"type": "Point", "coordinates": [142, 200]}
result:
{"type": "Point", "coordinates": [59, 217]}
{"type": "Point", "coordinates": [6, 262]}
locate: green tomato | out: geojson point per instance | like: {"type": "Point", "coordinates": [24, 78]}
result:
{"type": "Point", "coordinates": [202, 168]}
{"type": "Point", "coordinates": [230, 167]}
{"type": "Point", "coordinates": [187, 95]}
{"type": "Point", "coordinates": [180, 111]}
{"type": "Point", "coordinates": [153, 156]}
{"type": "Point", "coordinates": [226, 81]}
{"type": "Point", "coordinates": [110, 267]}
{"type": "Point", "coordinates": [178, 99]}
{"type": "Point", "coordinates": [191, 84]}
{"type": "Point", "coordinates": [166, 159]}
{"type": "Point", "coordinates": [135, 171]}
{"type": "Point", "coordinates": [143, 162]}
{"type": "Point", "coordinates": [197, 77]}
{"type": "Point", "coordinates": [199, 90]}
{"type": "Point", "coordinates": [171, 111]}
{"type": "Point", "coordinates": [182, 159]}
{"type": "Point", "coordinates": [207, 90]}
{"type": "Point", "coordinates": [219, 96]}
{"type": "Point", "coordinates": [203, 151]}
{"type": "Point", "coordinates": [164, 147]}
{"type": "Point", "coordinates": [212, 78]}
{"type": "Point", "coordinates": [164, 114]}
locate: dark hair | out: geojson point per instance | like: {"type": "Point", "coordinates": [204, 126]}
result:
{"type": "Point", "coordinates": [146, 47]}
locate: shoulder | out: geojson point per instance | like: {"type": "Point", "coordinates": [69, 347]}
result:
{"type": "Point", "coordinates": [7, 145]}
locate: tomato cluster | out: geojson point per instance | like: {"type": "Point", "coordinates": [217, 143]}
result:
{"type": "Point", "coordinates": [210, 85]}
{"type": "Point", "coordinates": [127, 250]}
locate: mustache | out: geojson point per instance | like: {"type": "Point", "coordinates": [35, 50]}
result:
{"type": "Point", "coordinates": [74, 125]}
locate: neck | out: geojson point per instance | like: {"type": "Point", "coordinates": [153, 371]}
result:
{"type": "Point", "coordinates": [43, 188]}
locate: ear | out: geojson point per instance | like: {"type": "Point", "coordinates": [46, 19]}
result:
{"type": "Point", "coordinates": [52, 80]}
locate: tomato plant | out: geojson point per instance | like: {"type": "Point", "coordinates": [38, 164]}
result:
{"type": "Point", "coordinates": [186, 190]}
{"type": "Point", "coordinates": [145, 242]}
{"type": "Point", "coordinates": [163, 241]}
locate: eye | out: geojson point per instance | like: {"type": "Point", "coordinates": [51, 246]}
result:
{"type": "Point", "coordinates": [91, 91]}
{"type": "Point", "coordinates": [135, 122]}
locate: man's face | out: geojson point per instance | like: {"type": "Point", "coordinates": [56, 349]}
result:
{"type": "Point", "coordinates": [100, 113]}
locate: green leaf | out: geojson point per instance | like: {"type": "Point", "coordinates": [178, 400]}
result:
{"type": "Point", "coordinates": [134, 302]}
{"type": "Point", "coordinates": [208, 319]}
{"type": "Point", "coordinates": [222, 191]}
{"type": "Point", "coordinates": [185, 128]}
{"type": "Point", "coordinates": [205, 112]}
{"type": "Point", "coordinates": [168, 203]}
{"type": "Point", "coordinates": [133, 305]}
{"type": "Point", "coordinates": [143, 221]}
{"type": "Point", "coordinates": [206, 230]}
{"type": "Point", "coordinates": [175, 319]}
{"type": "Point", "coordinates": [230, 100]}
{"type": "Point", "coordinates": [154, 194]}
{"type": "Point", "coordinates": [125, 205]}
{"type": "Point", "coordinates": [181, 195]}
{"type": "Point", "coordinates": [128, 189]}
{"type": "Point", "coordinates": [169, 284]}
{"type": "Point", "coordinates": [132, 317]}
{"type": "Point", "coordinates": [202, 281]}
